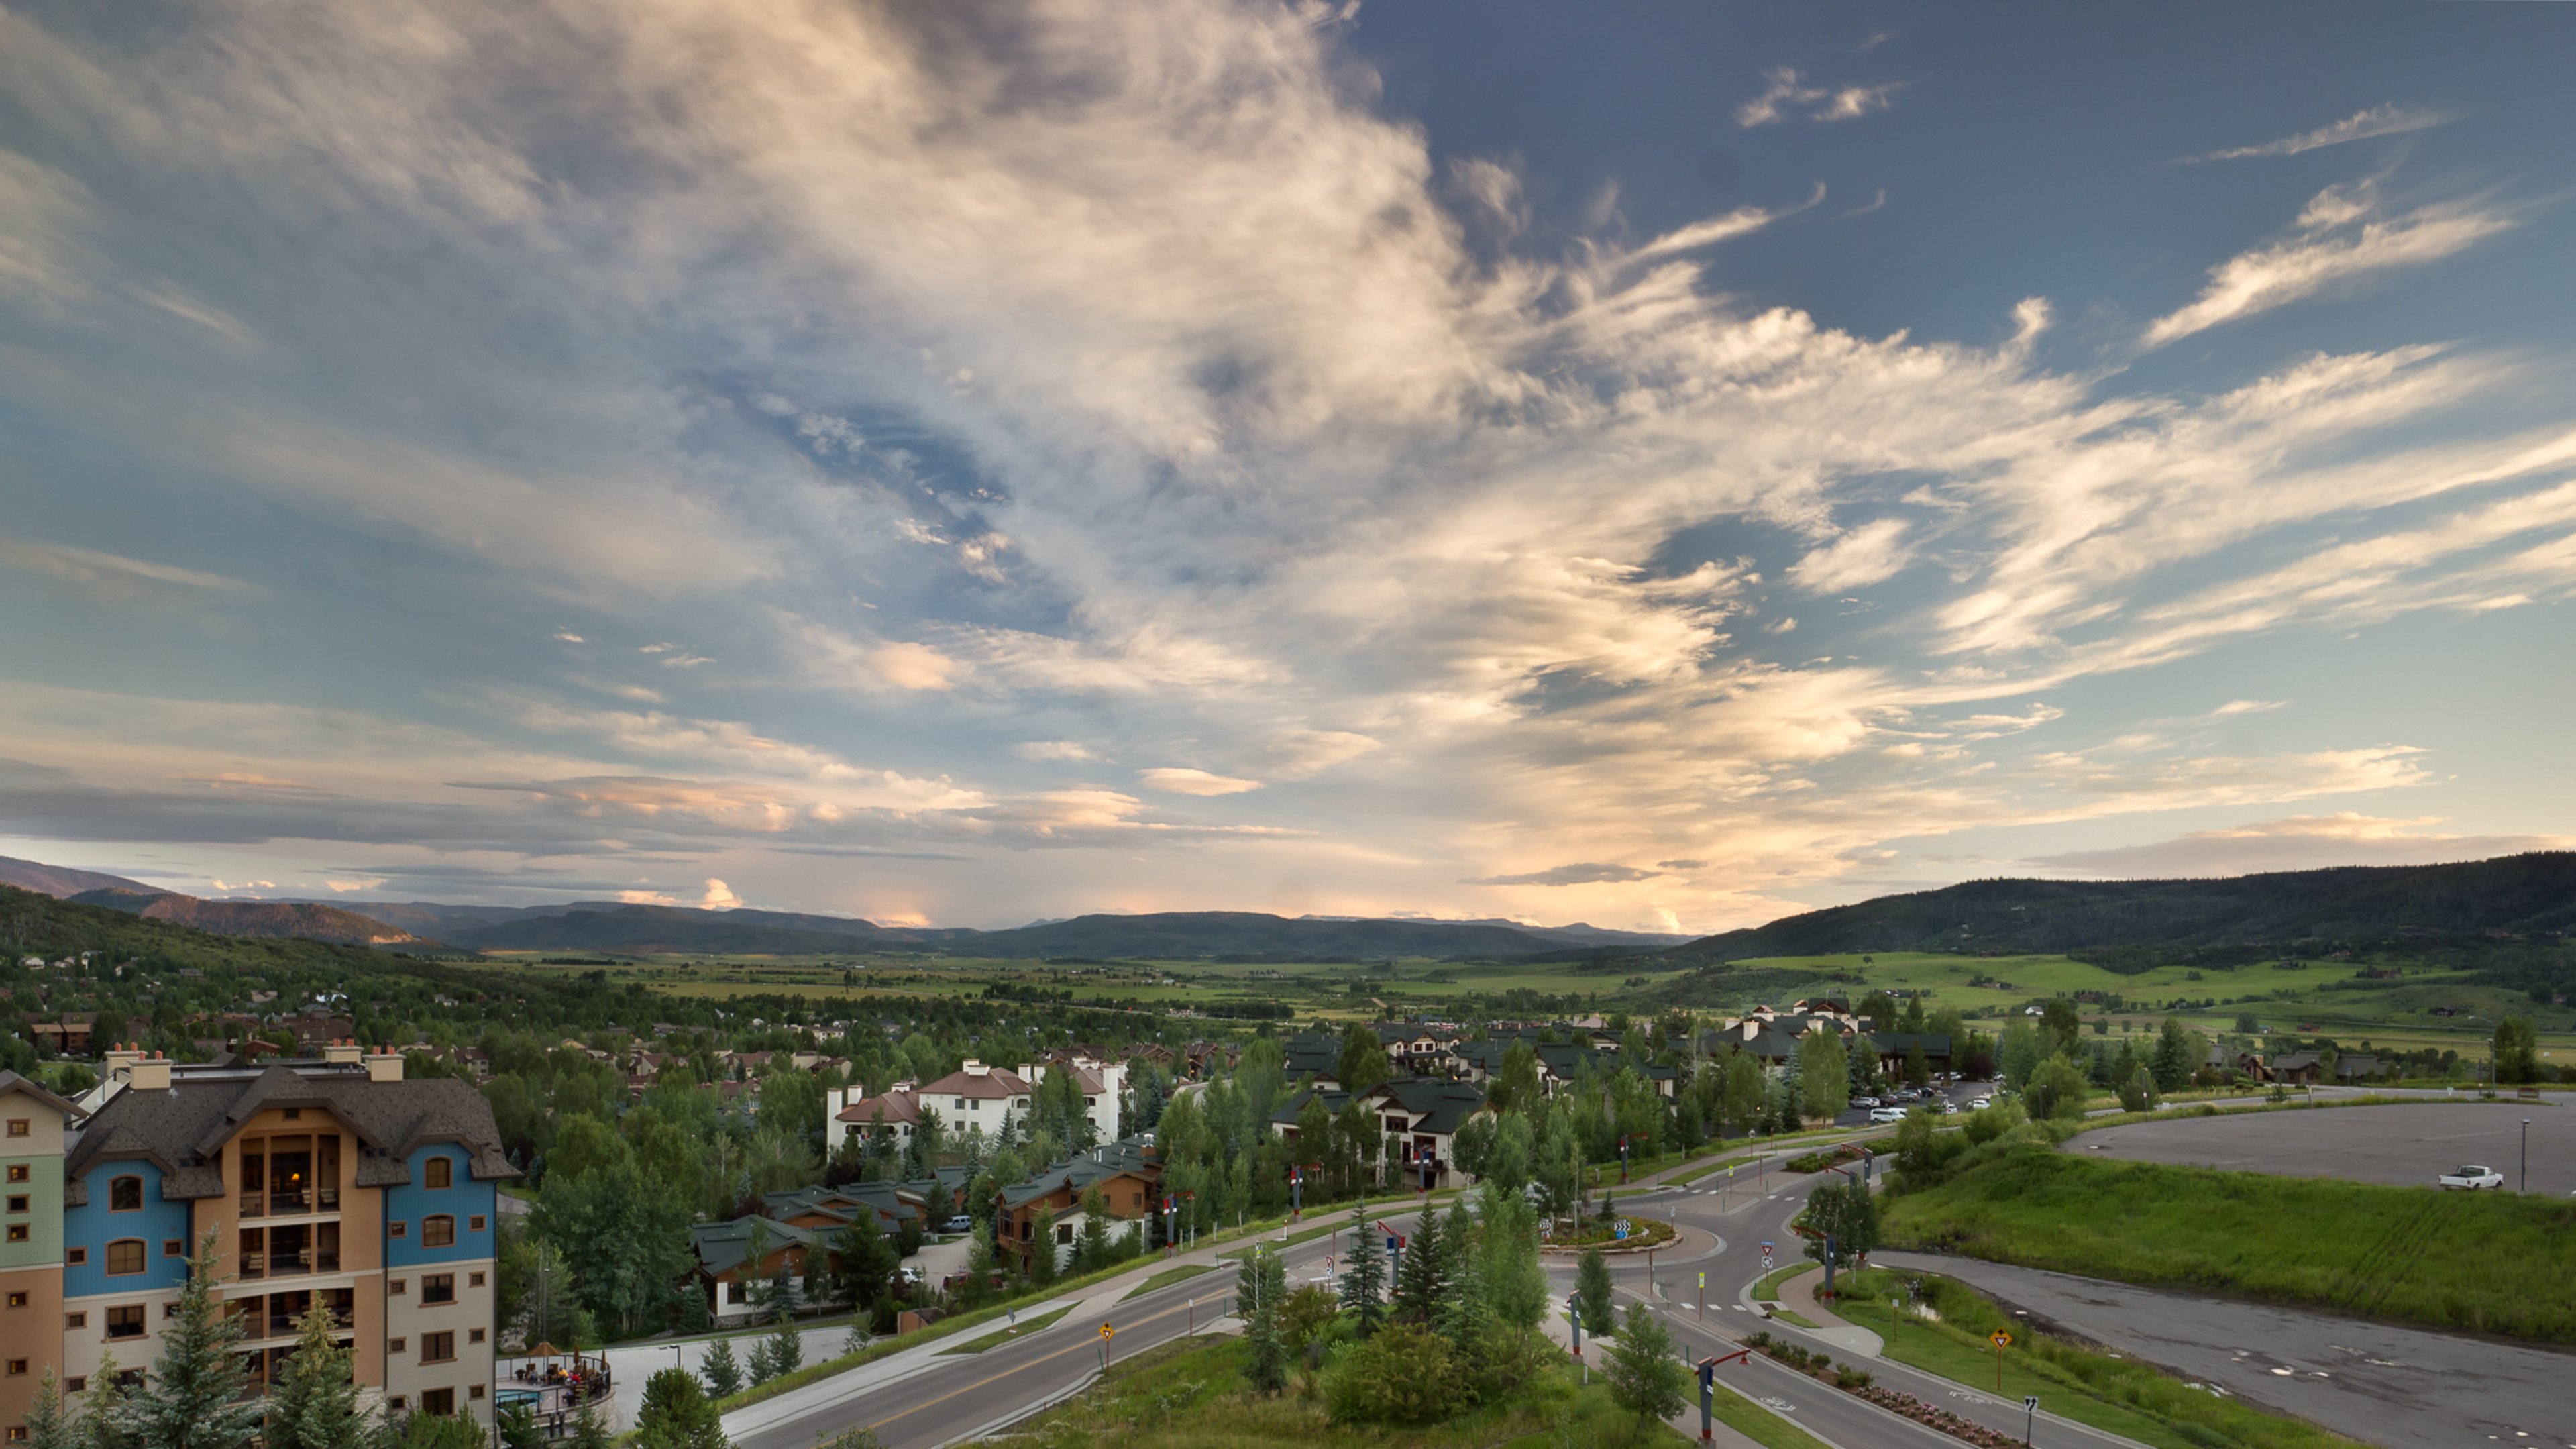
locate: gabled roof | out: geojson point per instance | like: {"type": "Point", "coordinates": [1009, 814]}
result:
{"type": "Point", "coordinates": [725, 1246]}
{"type": "Point", "coordinates": [1126, 1155]}
{"type": "Point", "coordinates": [990, 1084]}
{"type": "Point", "coordinates": [11, 1084]}
{"type": "Point", "coordinates": [183, 1129]}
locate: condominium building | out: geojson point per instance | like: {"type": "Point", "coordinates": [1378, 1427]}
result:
{"type": "Point", "coordinates": [329, 1179]}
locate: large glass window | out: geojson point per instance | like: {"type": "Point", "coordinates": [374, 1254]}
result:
{"type": "Point", "coordinates": [440, 1172]}
{"type": "Point", "coordinates": [438, 1231]}
{"type": "Point", "coordinates": [126, 1322]}
{"type": "Point", "coordinates": [125, 1255]}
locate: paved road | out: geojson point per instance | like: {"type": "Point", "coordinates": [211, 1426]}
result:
{"type": "Point", "coordinates": [2399, 1387]}
{"type": "Point", "coordinates": [2407, 1145]}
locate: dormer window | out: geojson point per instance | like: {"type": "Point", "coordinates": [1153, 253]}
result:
{"type": "Point", "coordinates": [438, 1172]}
{"type": "Point", "coordinates": [125, 1194]}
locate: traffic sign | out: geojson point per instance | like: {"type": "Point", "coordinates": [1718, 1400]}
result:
{"type": "Point", "coordinates": [2002, 1339]}
{"type": "Point", "coordinates": [1623, 1227]}
{"type": "Point", "coordinates": [2030, 1403]}
{"type": "Point", "coordinates": [1106, 1330]}
{"type": "Point", "coordinates": [1703, 1280]}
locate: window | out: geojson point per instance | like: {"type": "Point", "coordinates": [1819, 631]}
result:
{"type": "Point", "coordinates": [397, 1403]}
{"type": "Point", "coordinates": [438, 1288]}
{"type": "Point", "coordinates": [474, 1391]}
{"type": "Point", "coordinates": [438, 1172]}
{"type": "Point", "coordinates": [734, 1293]}
{"type": "Point", "coordinates": [17, 1172]}
{"type": "Point", "coordinates": [125, 1322]}
{"type": "Point", "coordinates": [125, 1195]}
{"type": "Point", "coordinates": [474, 1224]}
{"type": "Point", "coordinates": [399, 1287]}
{"type": "Point", "coordinates": [397, 1345]}
{"type": "Point", "coordinates": [438, 1231]}
{"type": "Point", "coordinates": [438, 1403]}
{"type": "Point", "coordinates": [75, 1384]}
{"type": "Point", "coordinates": [293, 1114]}
{"type": "Point", "coordinates": [124, 1256]}
{"type": "Point", "coordinates": [473, 1280]}
{"type": "Point", "coordinates": [17, 1232]}
{"type": "Point", "coordinates": [21, 1126]}
{"type": "Point", "coordinates": [17, 1300]}
{"type": "Point", "coordinates": [437, 1347]}
{"type": "Point", "coordinates": [75, 1320]}
{"type": "Point", "coordinates": [17, 1433]}
{"type": "Point", "coordinates": [170, 1309]}
{"type": "Point", "coordinates": [17, 1366]}
{"type": "Point", "coordinates": [398, 1230]}
{"type": "Point", "coordinates": [76, 1256]}
{"type": "Point", "coordinates": [473, 1335]}
{"type": "Point", "coordinates": [17, 1202]}
{"type": "Point", "coordinates": [174, 1247]}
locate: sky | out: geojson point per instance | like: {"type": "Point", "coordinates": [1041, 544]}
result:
{"type": "Point", "coordinates": [1660, 465]}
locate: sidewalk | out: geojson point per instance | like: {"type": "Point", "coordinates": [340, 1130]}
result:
{"type": "Point", "coordinates": [1798, 1295]}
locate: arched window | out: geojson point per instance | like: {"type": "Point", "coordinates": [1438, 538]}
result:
{"type": "Point", "coordinates": [439, 1172]}
{"type": "Point", "coordinates": [438, 1231]}
{"type": "Point", "coordinates": [125, 1255]}
{"type": "Point", "coordinates": [125, 1194]}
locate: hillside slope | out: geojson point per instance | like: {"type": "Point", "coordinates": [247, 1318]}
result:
{"type": "Point", "coordinates": [61, 881]}
{"type": "Point", "coordinates": [2514, 894]}
{"type": "Point", "coordinates": [252, 918]}
{"type": "Point", "coordinates": [1251, 935]}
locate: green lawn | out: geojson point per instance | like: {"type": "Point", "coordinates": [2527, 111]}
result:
{"type": "Point", "coordinates": [2481, 1262]}
{"type": "Point", "coordinates": [1168, 1277]}
{"type": "Point", "coordinates": [1768, 1290]}
{"type": "Point", "coordinates": [2118, 1395]}
{"type": "Point", "coordinates": [1001, 1336]}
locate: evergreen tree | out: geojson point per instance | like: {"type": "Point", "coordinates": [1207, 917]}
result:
{"type": "Point", "coordinates": [677, 1414]}
{"type": "Point", "coordinates": [1093, 1252]}
{"type": "Point", "coordinates": [1422, 1276]}
{"type": "Point", "coordinates": [1467, 1311]}
{"type": "Point", "coordinates": [722, 1371]}
{"type": "Point", "coordinates": [785, 1347]}
{"type": "Point", "coordinates": [518, 1429]}
{"type": "Point", "coordinates": [868, 1261]}
{"type": "Point", "coordinates": [315, 1404]}
{"type": "Point", "coordinates": [1261, 1288]}
{"type": "Point", "coordinates": [588, 1432]}
{"type": "Point", "coordinates": [1593, 1294]}
{"type": "Point", "coordinates": [1645, 1377]}
{"type": "Point", "coordinates": [193, 1398]}
{"type": "Point", "coordinates": [1042, 1258]}
{"type": "Point", "coordinates": [106, 1419]}
{"type": "Point", "coordinates": [1514, 1281]}
{"type": "Point", "coordinates": [1364, 1277]}
{"type": "Point", "coordinates": [48, 1427]}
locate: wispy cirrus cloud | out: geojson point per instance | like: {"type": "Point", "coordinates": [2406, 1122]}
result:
{"type": "Point", "coordinates": [2382, 120]}
{"type": "Point", "coordinates": [1787, 95]}
{"type": "Point", "coordinates": [2343, 235]}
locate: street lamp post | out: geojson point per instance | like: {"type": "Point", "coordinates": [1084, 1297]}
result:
{"type": "Point", "coordinates": [2526, 1157]}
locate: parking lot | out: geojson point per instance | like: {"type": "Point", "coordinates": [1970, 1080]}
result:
{"type": "Point", "coordinates": [2407, 1145]}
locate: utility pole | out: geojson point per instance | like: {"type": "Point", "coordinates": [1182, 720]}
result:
{"type": "Point", "coordinates": [2525, 1189]}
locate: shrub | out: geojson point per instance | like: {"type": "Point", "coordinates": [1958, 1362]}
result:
{"type": "Point", "coordinates": [1401, 1374]}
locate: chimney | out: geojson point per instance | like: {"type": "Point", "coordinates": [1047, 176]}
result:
{"type": "Point", "coordinates": [121, 1059]}
{"type": "Point", "coordinates": [342, 1052]}
{"type": "Point", "coordinates": [978, 1069]}
{"type": "Point", "coordinates": [384, 1065]}
{"type": "Point", "coordinates": [149, 1074]}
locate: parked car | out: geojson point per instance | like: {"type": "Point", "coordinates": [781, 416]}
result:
{"type": "Point", "coordinates": [1979, 1104]}
{"type": "Point", "coordinates": [962, 1223]}
{"type": "Point", "coordinates": [1864, 1101]}
{"type": "Point", "coordinates": [2473, 1177]}
{"type": "Point", "coordinates": [1887, 1114]}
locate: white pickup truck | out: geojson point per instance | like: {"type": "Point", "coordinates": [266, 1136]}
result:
{"type": "Point", "coordinates": [2473, 1177]}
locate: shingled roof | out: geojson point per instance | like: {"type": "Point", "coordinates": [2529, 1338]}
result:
{"type": "Point", "coordinates": [183, 1129]}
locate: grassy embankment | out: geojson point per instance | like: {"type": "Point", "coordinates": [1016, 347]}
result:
{"type": "Point", "coordinates": [2480, 1262]}
{"type": "Point", "coordinates": [2117, 1395]}
{"type": "Point", "coordinates": [1168, 1277]}
{"type": "Point", "coordinates": [1188, 1395]}
{"type": "Point", "coordinates": [1002, 1336]}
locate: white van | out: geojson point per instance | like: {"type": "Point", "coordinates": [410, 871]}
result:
{"type": "Point", "coordinates": [1887, 1114]}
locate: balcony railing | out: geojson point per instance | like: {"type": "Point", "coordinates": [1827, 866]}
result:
{"type": "Point", "coordinates": [288, 1265]}
{"type": "Point", "coordinates": [290, 1204]}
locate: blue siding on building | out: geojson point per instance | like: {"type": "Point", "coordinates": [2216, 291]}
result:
{"type": "Point", "coordinates": [92, 1226]}
{"type": "Point", "coordinates": [464, 1201]}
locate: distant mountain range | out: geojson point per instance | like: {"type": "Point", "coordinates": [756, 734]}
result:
{"type": "Point", "coordinates": [2514, 894]}
{"type": "Point", "coordinates": [312, 920]}
{"type": "Point", "coordinates": [577, 927]}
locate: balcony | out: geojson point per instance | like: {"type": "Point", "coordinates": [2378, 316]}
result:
{"type": "Point", "coordinates": [290, 1204]}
